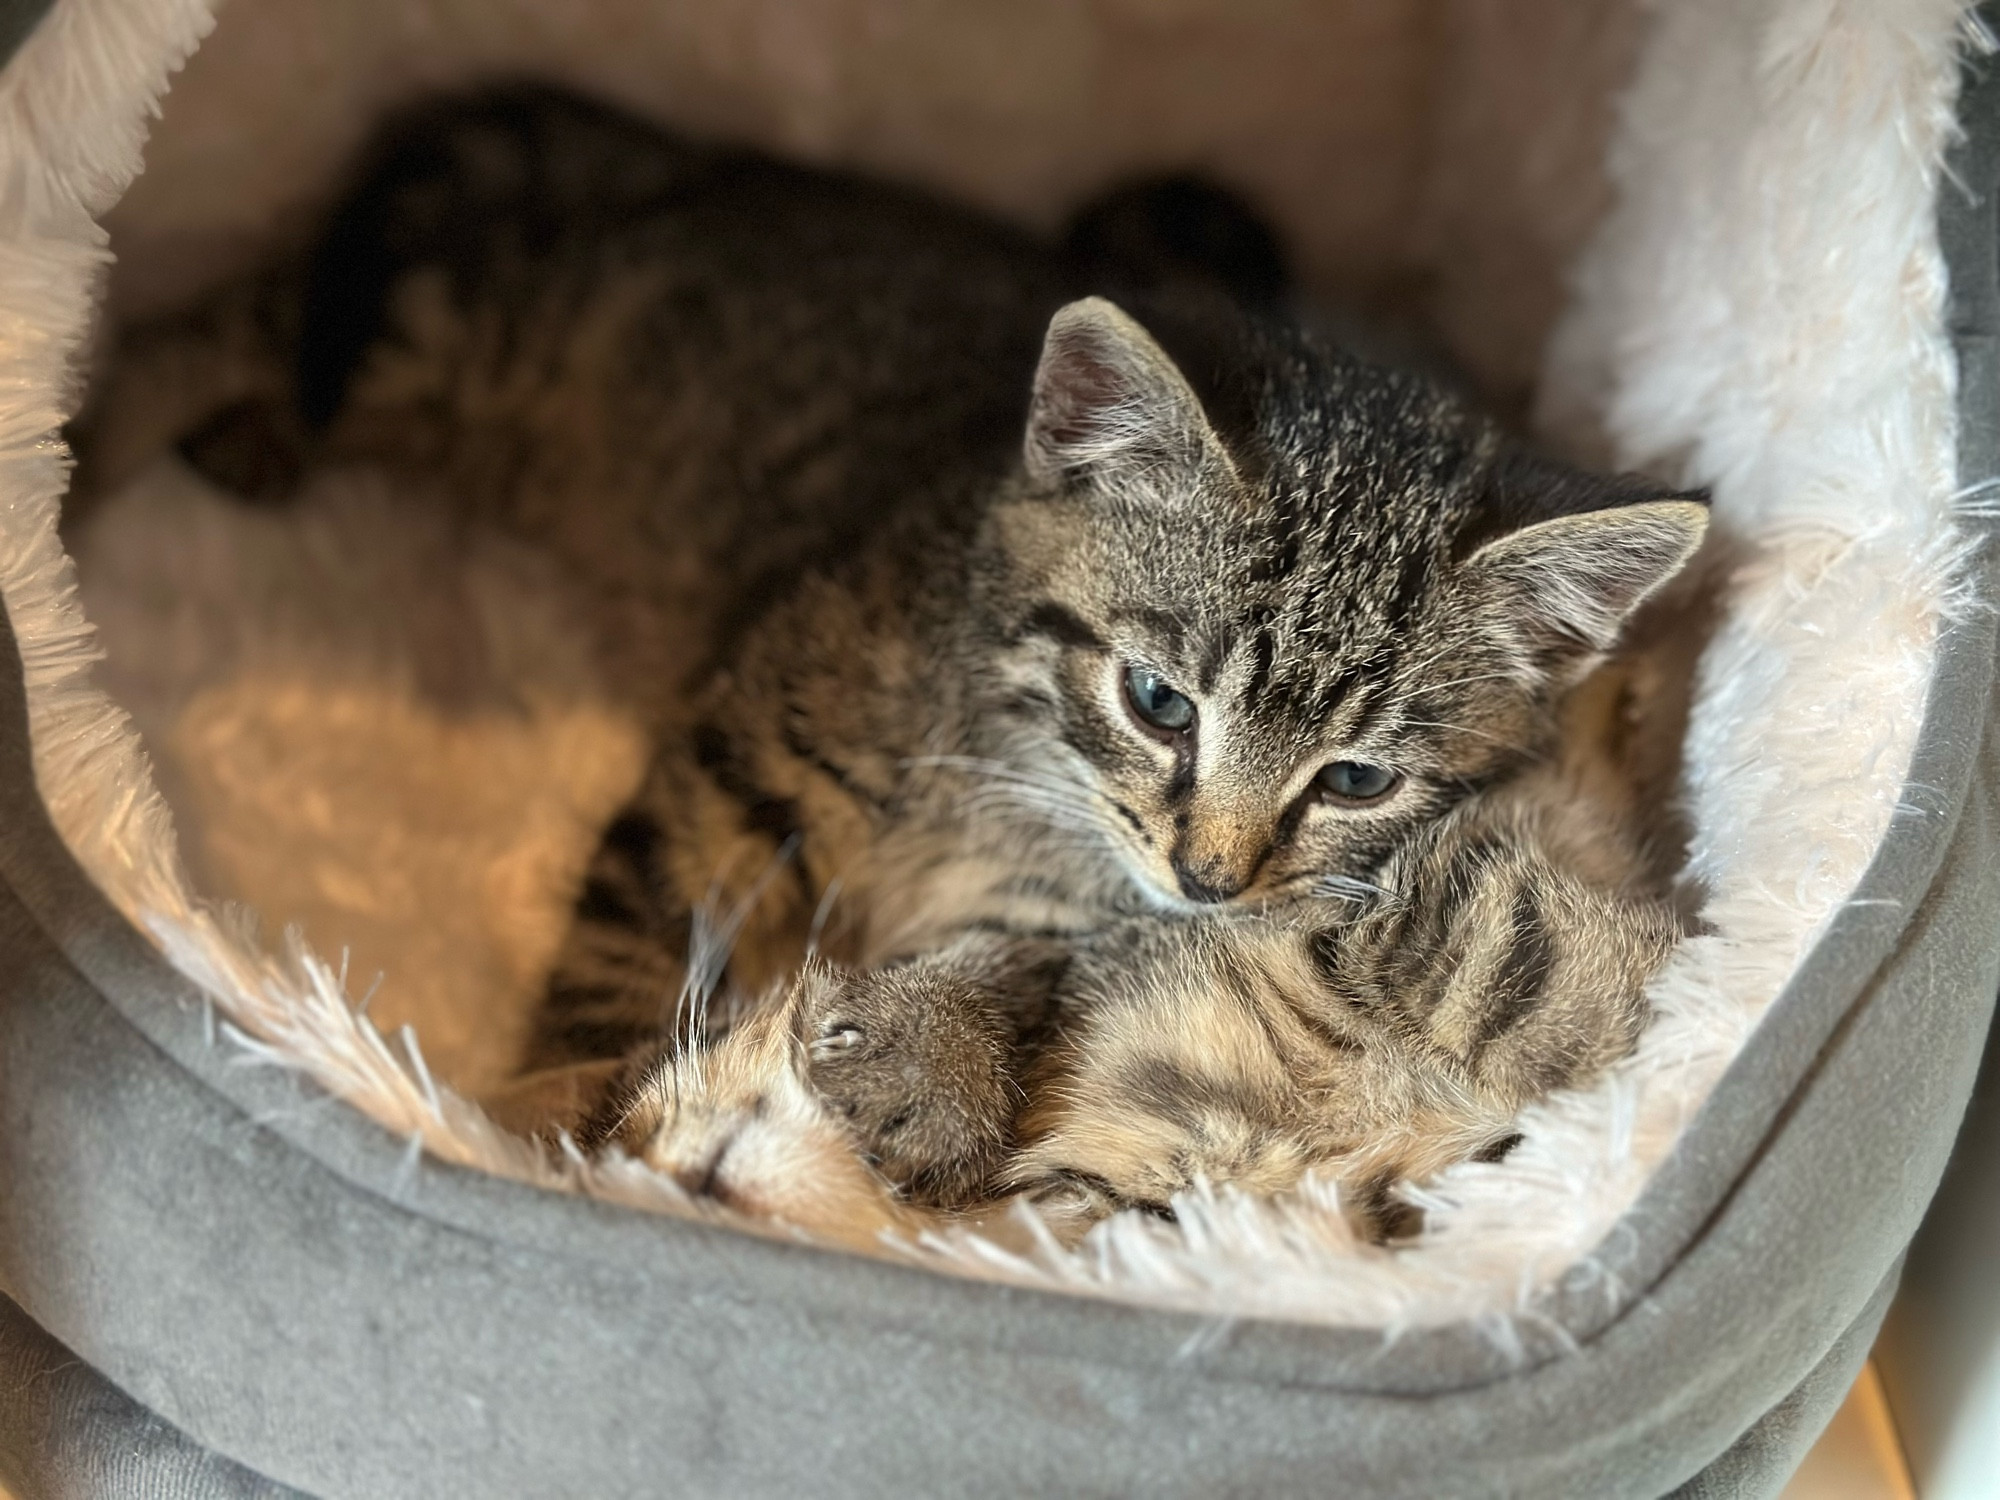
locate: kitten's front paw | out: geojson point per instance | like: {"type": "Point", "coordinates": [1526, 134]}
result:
{"type": "Point", "coordinates": [918, 1064]}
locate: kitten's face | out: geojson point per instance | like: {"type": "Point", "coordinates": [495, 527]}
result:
{"type": "Point", "coordinates": [1262, 674]}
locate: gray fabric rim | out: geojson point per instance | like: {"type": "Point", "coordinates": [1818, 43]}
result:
{"type": "Point", "coordinates": [66, 1433]}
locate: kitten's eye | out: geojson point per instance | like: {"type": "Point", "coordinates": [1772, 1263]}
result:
{"type": "Point", "coordinates": [1351, 781]}
{"type": "Point", "coordinates": [1156, 704]}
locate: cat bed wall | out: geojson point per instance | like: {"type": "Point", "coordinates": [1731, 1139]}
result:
{"type": "Point", "coordinates": [1668, 1286]}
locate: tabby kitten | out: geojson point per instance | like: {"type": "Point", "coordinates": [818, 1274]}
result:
{"type": "Point", "coordinates": [1372, 1042]}
{"type": "Point", "coordinates": [976, 615]}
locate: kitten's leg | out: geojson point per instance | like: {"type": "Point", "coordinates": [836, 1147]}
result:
{"type": "Point", "coordinates": [1498, 961]}
{"type": "Point", "coordinates": [919, 1058]}
{"type": "Point", "coordinates": [636, 964]}
{"type": "Point", "coordinates": [1373, 1045]}
{"type": "Point", "coordinates": [621, 970]}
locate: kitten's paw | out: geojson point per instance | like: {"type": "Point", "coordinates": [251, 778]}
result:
{"type": "Point", "coordinates": [735, 1124]}
{"type": "Point", "coordinates": [917, 1063]}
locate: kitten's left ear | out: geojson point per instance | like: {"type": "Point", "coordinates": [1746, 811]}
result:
{"type": "Point", "coordinates": [1562, 589]}
{"type": "Point", "coordinates": [1111, 406]}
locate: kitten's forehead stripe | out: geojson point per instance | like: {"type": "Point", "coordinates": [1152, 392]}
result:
{"type": "Point", "coordinates": [1169, 627]}
{"type": "Point", "coordinates": [1215, 651]}
{"type": "Point", "coordinates": [1264, 652]}
{"type": "Point", "coordinates": [1413, 583]}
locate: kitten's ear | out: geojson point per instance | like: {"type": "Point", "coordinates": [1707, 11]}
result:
{"type": "Point", "coordinates": [1561, 590]}
{"type": "Point", "coordinates": [1108, 400]}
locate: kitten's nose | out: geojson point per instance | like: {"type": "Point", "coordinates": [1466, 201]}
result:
{"type": "Point", "coordinates": [1209, 883]}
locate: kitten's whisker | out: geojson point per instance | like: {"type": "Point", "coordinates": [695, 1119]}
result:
{"type": "Point", "coordinates": [1015, 796]}
{"type": "Point", "coordinates": [1333, 887]}
{"type": "Point", "coordinates": [712, 941]}
{"type": "Point", "coordinates": [1001, 770]}
{"type": "Point", "coordinates": [1039, 796]}
{"type": "Point", "coordinates": [1044, 832]}
{"type": "Point", "coordinates": [1454, 728]}
{"type": "Point", "coordinates": [1467, 681]}
{"type": "Point", "coordinates": [1347, 888]}
{"type": "Point", "coordinates": [1026, 787]}
{"type": "Point", "coordinates": [820, 914]}
{"type": "Point", "coordinates": [1057, 812]}
{"type": "Point", "coordinates": [1041, 824]}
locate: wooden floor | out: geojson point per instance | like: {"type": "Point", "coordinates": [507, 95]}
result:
{"type": "Point", "coordinates": [1858, 1456]}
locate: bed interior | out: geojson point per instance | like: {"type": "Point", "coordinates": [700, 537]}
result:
{"type": "Point", "coordinates": [353, 719]}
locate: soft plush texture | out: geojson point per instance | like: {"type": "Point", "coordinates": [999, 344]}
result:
{"type": "Point", "coordinates": [378, 740]}
{"type": "Point", "coordinates": [1762, 311]}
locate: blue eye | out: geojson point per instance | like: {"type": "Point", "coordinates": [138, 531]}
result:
{"type": "Point", "coordinates": [1351, 781]}
{"type": "Point", "coordinates": [1154, 703]}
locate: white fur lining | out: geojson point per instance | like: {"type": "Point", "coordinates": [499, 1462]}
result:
{"type": "Point", "coordinates": [1762, 312]}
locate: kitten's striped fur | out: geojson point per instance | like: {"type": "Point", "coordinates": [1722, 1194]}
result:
{"type": "Point", "coordinates": [879, 509]}
{"type": "Point", "coordinates": [1372, 1042]}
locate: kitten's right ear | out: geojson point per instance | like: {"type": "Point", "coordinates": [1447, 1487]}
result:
{"type": "Point", "coordinates": [1561, 590]}
{"type": "Point", "coordinates": [1110, 403]}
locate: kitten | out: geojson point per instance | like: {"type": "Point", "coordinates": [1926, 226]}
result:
{"type": "Point", "coordinates": [1371, 1042]}
{"type": "Point", "coordinates": [976, 615]}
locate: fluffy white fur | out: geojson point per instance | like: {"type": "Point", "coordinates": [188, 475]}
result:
{"type": "Point", "coordinates": [1762, 311]}
{"type": "Point", "coordinates": [369, 732]}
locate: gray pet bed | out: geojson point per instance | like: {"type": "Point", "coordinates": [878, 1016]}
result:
{"type": "Point", "coordinates": [218, 1283]}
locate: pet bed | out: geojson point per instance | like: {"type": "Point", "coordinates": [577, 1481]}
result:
{"type": "Point", "coordinates": [249, 1247]}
